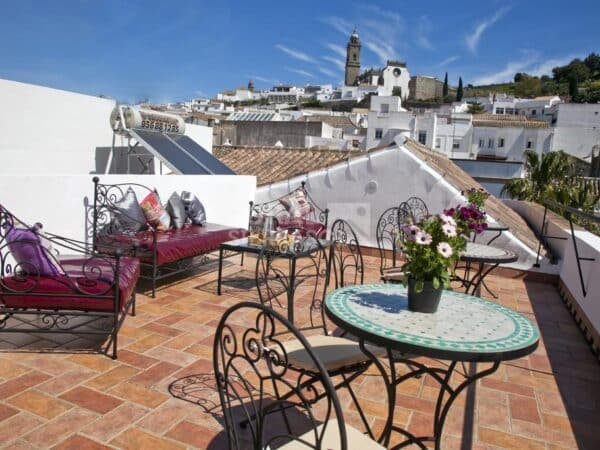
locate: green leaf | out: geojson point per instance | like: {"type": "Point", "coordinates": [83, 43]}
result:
{"type": "Point", "coordinates": [419, 285]}
{"type": "Point", "coordinates": [436, 282]}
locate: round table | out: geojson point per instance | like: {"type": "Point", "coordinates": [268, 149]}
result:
{"type": "Point", "coordinates": [464, 329]}
{"type": "Point", "coordinates": [483, 255]}
{"type": "Point", "coordinates": [498, 227]}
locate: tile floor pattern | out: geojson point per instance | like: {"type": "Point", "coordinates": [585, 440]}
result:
{"type": "Point", "coordinates": [548, 400]}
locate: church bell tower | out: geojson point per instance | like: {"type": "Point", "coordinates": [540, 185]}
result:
{"type": "Point", "coordinates": [352, 59]}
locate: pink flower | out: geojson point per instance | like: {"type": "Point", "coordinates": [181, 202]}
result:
{"type": "Point", "coordinates": [449, 230]}
{"type": "Point", "coordinates": [423, 238]}
{"type": "Point", "coordinates": [448, 220]}
{"type": "Point", "coordinates": [444, 249]}
{"type": "Point", "coordinates": [410, 231]}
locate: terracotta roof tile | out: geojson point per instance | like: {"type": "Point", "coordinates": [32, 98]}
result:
{"type": "Point", "coordinates": [334, 121]}
{"type": "Point", "coordinates": [506, 121]}
{"type": "Point", "coordinates": [271, 165]}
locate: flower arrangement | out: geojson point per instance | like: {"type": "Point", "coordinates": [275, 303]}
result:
{"type": "Point", "coordinates": [432, 248]}
{"type": "Point", "coordinates": [470, 218]}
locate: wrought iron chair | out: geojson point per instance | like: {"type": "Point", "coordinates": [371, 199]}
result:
{"type": "Point", "coordinates": [276, 405]}
{"type": "Point", "coordinates": [389, 238]}
{"type": "Point", "coordinates": [346, 257]}
{"type": "Point", "coordinates": [85, 293]}
{"type": "Point", "coordinates": [416, 208]}
{"type": "Point", "coordinates": [340, 356]}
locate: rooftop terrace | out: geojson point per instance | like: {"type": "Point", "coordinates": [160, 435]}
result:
{"type": "Point", "coordinates": [159, 394]}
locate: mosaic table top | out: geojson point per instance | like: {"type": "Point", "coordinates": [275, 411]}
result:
{"type": "Point", "coordinates": [464, 327]}
{"type": "Point", "coordinates": [487, 253]}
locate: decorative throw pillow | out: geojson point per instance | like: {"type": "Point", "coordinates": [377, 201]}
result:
{"type": "Point", "coordinates": [176, 210]}
{"type": "Point", "coordinates": [128, 216]}
{"type": "Point", "coordinates": [155, 213]}
{"type": "Point", "coordinates": [194, 208]}
{"type": "Point", "coordinates": [296, 204]}
{"type": "Point", "coordinates": [28, 251]}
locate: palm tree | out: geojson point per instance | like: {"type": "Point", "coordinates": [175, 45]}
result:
{"type": "Point", "coordinates": [543, 175]}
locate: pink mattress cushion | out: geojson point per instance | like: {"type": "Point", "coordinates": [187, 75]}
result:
{"type": "Point", "coordinates": [72, 291]}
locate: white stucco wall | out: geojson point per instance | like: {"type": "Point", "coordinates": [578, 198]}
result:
{"type": "Point", "coordinates": [50, 131]}
{"type": "Point", "coordinates": [58, 202]}
{"type": "Point", "coordinates": [359, 191]}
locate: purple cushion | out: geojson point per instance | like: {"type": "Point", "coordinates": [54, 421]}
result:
{"type": "Point", "coordinates": [27, 250]}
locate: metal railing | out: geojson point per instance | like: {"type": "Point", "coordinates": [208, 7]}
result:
{"type": "Point", "coordinates": [568, 212]}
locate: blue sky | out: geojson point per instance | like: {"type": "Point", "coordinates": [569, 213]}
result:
{"type": "Point", "coordinates": [169, 51]}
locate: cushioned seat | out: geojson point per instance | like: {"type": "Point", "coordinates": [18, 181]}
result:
{"type": "Point", "coordinates": [174, 245]}
{"type": "Point", "coordinates": [393, 275]}
{"type": "Point", "coordinates": [334, 352]}
{"type": "Point", "coordinates": [316, 228]}
{"type": "Point", "coordinates": [331, 439]}
{"type": "Point", "coordinates": [99, 281]}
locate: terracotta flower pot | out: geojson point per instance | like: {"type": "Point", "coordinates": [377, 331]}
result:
{"type": "Point", "coordinates": [426, 301]}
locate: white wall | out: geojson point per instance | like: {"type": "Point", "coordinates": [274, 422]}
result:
{"type": "Point", "coordinates": [361, 190]}
{"type": "Point", "coordinates": [576, 141]}
{"type": "Point", "coordinates": [58, 202]}
{"type": "Point", "coordinates": [515, 141]}
{"type": "Point", "coordinates": [50, 131]}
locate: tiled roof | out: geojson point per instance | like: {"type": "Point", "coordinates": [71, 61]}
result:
{"type": "Point", "coordinates": [252, 116]}
{"type": "Point", "coordinates": [506, 121]}
{"type": "Point", "coordinates": [334, 121]}
{"type": "Point", "coordinates": [463, 181]}
{"type": "Point", "coordinates": [270, 165]}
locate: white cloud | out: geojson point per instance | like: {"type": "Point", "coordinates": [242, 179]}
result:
{"type": "Point", "coordinates": [506, 74]}
{"type": "Point", "coordinates": [327, 72]}
{"type": "Point", "coordinates": [472, 40]}
{"type": "Point", "coordinates": [337, 49]}
{"type": "Point", "coordinates": [339, 63]}
{"type": "Point", "coordinates": [295, 53]}
{"type": "Point", "coordinates": [263, 79]}
{"type": "Point", "coordinates": [423, 30]}
{"type": "Point", "coordinates": [304, 73]}
{"type": "Point", "coordinates": [545, 68]}
{"type": "Point", "coordinates": [382, 49]}
{"type": "Point", "coordinates": [339, 24]}
{"type": "Point", "coordinates": [447, 61]}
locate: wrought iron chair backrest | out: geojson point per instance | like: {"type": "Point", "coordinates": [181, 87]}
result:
{"type": "Point", "coordinates": [252, 375]}
{"type": "Point", "coordinates": [416, 208]}
{"type": "Point", "coordinates": [388, 234]}
{"type": "Point", "coordinates": [274, 278]}
{"type": "Point", "coordinates": [275, 207]}
{"type": "Point", "coordinates": [346, 256]}
{"type": "Point", "coordinates": [92, 269]}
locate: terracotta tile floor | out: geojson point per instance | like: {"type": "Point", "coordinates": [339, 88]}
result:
{"type": "Point", "coordinates": [87, 401]}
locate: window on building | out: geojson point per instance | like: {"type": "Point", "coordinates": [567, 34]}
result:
{"type": "Point", "coordinates": [438, 143]}
{"type": "Point", "coordinates": [533, 112]}
{"type": "Point", "coordinates": [385, 108]}
{"type": "Point", "coordinates": [499, 110]}
{"type": "Point", "coordinates": [422, 137]}
{"type": "Point", "coordinates": [490, 143]}
{"type": "Point", "coordinates": [510, 111]}
{"type": "Point", "coordinates": [456, 144]}
{"type": "Point", "coordinates": [500, 142]}
{"type": "Point", "coordinates": [481, 143]}
{"type": "Point", "coordinates": [529, 143]}
{"type": "Point", "coordinates": [378, 133]}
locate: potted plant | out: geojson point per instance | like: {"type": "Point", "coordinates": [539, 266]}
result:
{"type": "Point", "coordinates": [432, 248]}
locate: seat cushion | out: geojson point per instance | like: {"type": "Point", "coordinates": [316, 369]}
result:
{"type": "Point", "coordinates": [315, 228]}
{"type": "Point", "coordinates": [333, 351]}
{"type": "Point", "coordinates": [174, 245]}
{"type": "Point", "coordinates": [99, 282]}
{"type": "Point", "coordinates": [331, 439]}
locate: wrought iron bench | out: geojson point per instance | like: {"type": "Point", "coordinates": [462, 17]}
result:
{"type": "Point", "coordinates": [314, 222]}
{"type": "Point", "coordinates": [84, 293]}
{"type": "Point", "coordinates": [162, 254]}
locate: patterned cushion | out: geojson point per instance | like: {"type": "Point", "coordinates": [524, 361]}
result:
{"type": "Point", "coordinates": [27, 249]}
{"type": "Point", "coordinates": [194, 208]}
{"type": "Point", "coordinates": [128, 216]}
{"type": "Point", "coordinates": [296, 204]}
{"type": "Point", "coordinates": [176, 210]}
{"type": "Point", "coordinates": [155, 213]}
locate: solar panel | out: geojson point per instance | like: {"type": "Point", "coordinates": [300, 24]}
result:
{"type": "Point", "coordinates": [206, 159]}
{"type": "Point", "coordinates": [189, 160]}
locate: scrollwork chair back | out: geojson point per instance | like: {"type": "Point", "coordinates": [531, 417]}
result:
{"type": "Point", "coordinates": [347, 264]}
{"type": "Point", "coordinates": [252, 375]}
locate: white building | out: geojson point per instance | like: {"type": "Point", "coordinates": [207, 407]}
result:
{"type": "Point", "coordinates": [386, 120]}
{"type": "Point", "coordinates": [576, 127]}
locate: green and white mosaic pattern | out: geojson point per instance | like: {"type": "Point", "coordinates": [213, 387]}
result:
{"type": "Point", "coordinates": [463, 323]}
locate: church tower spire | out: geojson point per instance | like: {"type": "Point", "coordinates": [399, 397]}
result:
{"type": "Point", "coordinates": [352, 59]}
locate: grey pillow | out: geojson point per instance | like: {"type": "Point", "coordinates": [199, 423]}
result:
{"type": "Point", "coordinates": [128, 216]}
{"type": "Point", "coordinates": [176, 210]}
{"type": "Point", "coordinates": [193, 208]}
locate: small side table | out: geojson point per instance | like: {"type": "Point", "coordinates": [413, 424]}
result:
{"type": "Point", "coordinates": [497, 227]}
{"type": "Point", "coordinates": [481, 255]}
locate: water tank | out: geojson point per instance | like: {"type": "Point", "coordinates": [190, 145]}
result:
{"type": "Point", "coordinates": [145, 119]}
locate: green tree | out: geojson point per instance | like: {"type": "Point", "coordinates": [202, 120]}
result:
{"type": "Point", "coordinates": [459, 91]}
{"type": "Point", "coordinates": [313, 102]}
{"type": "Point", "coordinates": [542, 174]}
{"type": "Point", "coordinates": [592, 61]}
{"type": "Point", "coordinates": [445, 88]}
{"type": "Point", "coordinates": [475, 108]}
{"type": "Point", "coordinates": [573, 88]}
